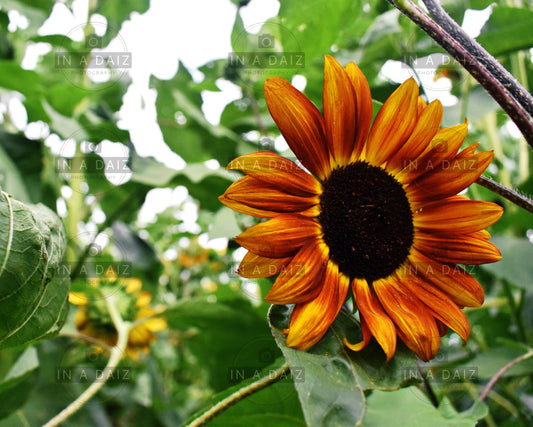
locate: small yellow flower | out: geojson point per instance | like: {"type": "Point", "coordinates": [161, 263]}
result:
{"type": "Point", "coordinates": [93, 320]}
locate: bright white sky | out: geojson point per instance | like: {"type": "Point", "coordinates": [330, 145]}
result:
{"type": "Point", "coordinates": [194, 32]}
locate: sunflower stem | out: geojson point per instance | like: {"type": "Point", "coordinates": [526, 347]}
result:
{"type": "Point", "coordinates": [471, 62]}
{"type": "Point", "coordinates": [502, 371]}
{"type": "Point", "coordinates": [239, 395]}
{"type": "Point", "coordinates": [511, 195]}
{"type": "Point", "coordinates": [515, 310]}
{"type": "Point", "coordinates": [431, 394]}
{"type": "Point", "coordinates": [123, 330]}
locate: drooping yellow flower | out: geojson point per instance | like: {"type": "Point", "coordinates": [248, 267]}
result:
{"type": "Point", "coordinates": [376, 208]}
{"type": "Point", "coordinates": [93, 320]}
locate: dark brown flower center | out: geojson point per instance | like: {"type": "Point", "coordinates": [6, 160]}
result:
{"type": "Point", "coordinates": [366, 221]}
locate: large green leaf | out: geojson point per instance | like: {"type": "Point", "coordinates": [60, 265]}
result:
{"type": "Point", "coordinates": [515, 265]}
{"type": "Point", "coordinates": [507, 30]}
{"type": "Point", "coordinates": [316, 31]}
{"type": "Point", "coordinates": [409, 407]}
{"type": "Point", "coordinates": [230, 339]}
{"type": "Point", "coordinates": [18, 383]}
{"type": "Point", "coordinates": [33, 287]}
{"type": "Point", "coordinates": [332, 392]}
{"type": "Point", "coordinates": [277, 405]}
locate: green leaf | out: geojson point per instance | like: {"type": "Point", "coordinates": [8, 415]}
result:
{"type": "Point", "coordinates": [315, 32]}
{"type": "Point", "coordinates": [276, 405]}
{"type": "Point", "coordinates": [33, 291]}
{"type": "Point", "coordinates": [410, 407]}
{"type": "Point", "coordinates": [183, 124]}
{"type": "Point", "coordinates": [224, 224]}
{"type": "Point", "coordinates": [492, 361]}
{"type": "Point", "coordinates": [36, 11]}
{"type": "Point", "coordinates": [15, 388]}
{"type": "Point", "coordinates": [26, 154]}
{"type": "Point", "coordinates": [62, 125]}
{"type": "Point", "coordinates": [228, 337]}
{"type": "Point", "coordinates": [10, 177]}
{"type": "Point", "coordinates": [27, 82]}
{"type": "Point", "coordinates": [134, 249]}
{"type": "Point", "coordinates": [204, 184]}
{"type": "Point", "coordinates": [116, 12]}
{"type": "Point", "coordinates": [335, 378]}
{"type": "Point", "coordinates": [515, 265]}
{"type": "Point", "coordinates": [65, 97]}
{"type": "Point", "coordinates": [500, 33]}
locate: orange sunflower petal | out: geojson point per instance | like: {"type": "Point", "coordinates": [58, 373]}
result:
{"type": "Point", "coordinates": [301, 279]}
{"type": "Point", "coordinates": [425, 129]}
{"type": "Point", "coordinates": [449, 178]}
{"type": "Point", "coordinates": [366, 337]}
{"type": "Point", "coordinates": [254, 197]}
{"type": "Point", "coordinates": [364, 108]}
{"type": "Point", "coordinates": [457, 215]}
{"type": "Point", "coordinates": [441, 306]}
{"type": "Point", "coordinates": [277, 171]}
{"type": "Point", "coordinates": [279, 237]}
{"type": "Point", "coordinates": [378, 322]}
{"type": "Point", "coordinates": [453, 280]}
{"type": "Point", "coordinates": [340, 111]}
{"type": "Point", "coordinates": [457, 249]}
{"type": "Point", "coordinates": [310, 320]}
{"type": "Point", "coordinates": [393, 124]}
{"type": "Point", "coordinates": [415, 324]}
{"type": "Point", "coordinates": [300, 123]}
{"type": "Point", "coordinates": [443, 146]}
{"type": "Point", "coordinates": [421, 105]}
{"type": "Point", "coordinates": [443, 329]}
{"type": "Point", "coordinates": [468, 151]}
{"type": "Point", "coordinates": [254, 266]}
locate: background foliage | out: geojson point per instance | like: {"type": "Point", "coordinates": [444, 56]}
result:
{"type": "Point", "coordinates": [218, 337]}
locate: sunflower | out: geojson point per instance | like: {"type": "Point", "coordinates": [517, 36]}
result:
{"type": "Point", "coordinates": [375, 208]}
{"type": "Point", "coordinates": [92, 317]}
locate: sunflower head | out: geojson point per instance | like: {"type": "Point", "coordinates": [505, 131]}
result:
{"type": "Point", "coordinates": [93, 319]}
{"type": "Point", "coordinates": [375, 208]}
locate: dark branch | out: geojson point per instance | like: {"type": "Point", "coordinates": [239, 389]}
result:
{"type": "Point", "coordinates": [492, 85]}
{"type": "Point", "coordinates": [511, 195]}
{"type": "Point", "coordinates": [484, 57]}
